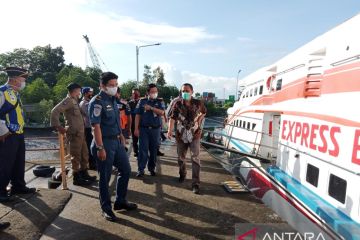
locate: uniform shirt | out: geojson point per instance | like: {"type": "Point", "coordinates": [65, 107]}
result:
{"type": "Point", "coordinates": [132, 104]}
{"type": "Point", "coordinates": [149, 118]}
{"type": "Point", "coordinates": [12, 121]}
{"type": "Point", "coordinates": [103, 110]}
{"type": "Point", "coordinates": [73, 115]}
{"type": "Point", "coordinates": [188, 127]}
{"type": "Point", "coordinates": [84, 105]}
{"type": "Point", "coordinates": [123, 106]}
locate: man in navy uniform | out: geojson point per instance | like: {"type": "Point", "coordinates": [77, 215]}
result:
{"type": "Point", "coordinates": [107, 148]}
{"type": "Point", "coordinates": [147, 126]}
{"type": "Point", "coordinates": [12, 144]}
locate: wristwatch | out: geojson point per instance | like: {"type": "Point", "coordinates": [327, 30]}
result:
{"type": "Point", "coordinates": [101, 147]}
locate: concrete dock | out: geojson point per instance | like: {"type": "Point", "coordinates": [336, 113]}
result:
{"type": "Point", "coordinates": [167, 209]}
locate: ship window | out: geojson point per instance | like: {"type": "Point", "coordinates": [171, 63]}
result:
{"type": "Point", "coordinates": [255, 91]}
{"type": "Point", "coordinates": [244, 123]}
{"type": "Point", "coordinates": [278, 84]}
{"type": "Point", "coordinates": [237, 123]}
{"type": "Point", "coordinates": [312, 175]}
{"type": "Point", "coordinates": [248, 126]}
{"type": "Point", "coordinates": [253, 126]}
{"type": "Point", "coordinates": [337, 188]}
{"type": "Point", "coordinates": [261, 89]}
{"type": "Point", "coordinates": [247, 94]}
{"type": "Point", "coordinates": [251, 92]}
{"type": "Point", "coordinates": [240, 123]}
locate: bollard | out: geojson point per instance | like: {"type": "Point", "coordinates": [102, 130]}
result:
{"type": "Point", "coordinates": [62, 161]}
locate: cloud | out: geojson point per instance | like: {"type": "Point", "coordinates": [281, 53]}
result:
{"type": "Point", "coordinates": [244, 39]}
{"type": "Point", "coordinates": [212, 50]}
{"type": "Point", "coordinates": [63, 22]}
{"type": "Point", "coordinates": [200, 82]}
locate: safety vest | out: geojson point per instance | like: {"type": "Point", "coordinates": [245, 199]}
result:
{"type": "Point", "coordinates": [11, 111]}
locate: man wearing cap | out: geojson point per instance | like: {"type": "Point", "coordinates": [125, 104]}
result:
{"type": "Point", "coordinates": [107, 147]}
{"type": "Point", "coordinates": [12, 144]}
{"type": "Point", "coordinates": [87, 93]}
{"type": "Point", "coordinates": [75, 133]}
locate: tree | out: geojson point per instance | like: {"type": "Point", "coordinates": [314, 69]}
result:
{"type": "Point", "coordinates": [197, 95]}
{"type": "Point", "coordinates": [148, 77]}
{"type": "Point", "coordinates": [93, 73]}
{"type": "Point", "coordinates": [36, 91]}
{"type": "Point", "coordinates": [127, 88]}
{"type": "Point", "coordinates": [72, 74]}
{"type": "Point", "coordinates": [159, 77]}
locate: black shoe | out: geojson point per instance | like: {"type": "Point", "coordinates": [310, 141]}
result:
{"type": "Point", "coordinates": [109, 215]}
{"type": "Point", "coordinates": [152, 173]}
{"type": "Point", "coordinates": [127, 206]}
{"type": "Point", "coordinates": [140, 174]}
{"type": "Point", "coordinates": [85, 175]}
{"type": "Point", "coordinates": [136, 155]}
{"type": "Point", "coordinates": [4, 225]}
{"type": "Point", "coordinates": [22, 190]}
{"type": "Point", "coordinates": [196, 189]}
{"type": "Point", "coordinates": [181, 179]}
{"type": "Point", "coordinates": [4, 197]}
{"type": "Point", "coordinates": [160, 153]}
{"type": "Point", "coordinates": [79, 181]}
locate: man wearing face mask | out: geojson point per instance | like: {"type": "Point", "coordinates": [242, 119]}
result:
{"type": "Point", "coordinates": [75, 133]}
{"type": "Point", "coordinates": [147, 127]}
{"type": "Point", "coordinates": [107, 147]}
{"type": "Point", "coordinates": [135, 96]}
{"type": "Point", "coordinates": [87, 93]}
{"type": "Point", "coordinates": [12, 144]}
{"type": "Point", "coordinates": [188, 114]}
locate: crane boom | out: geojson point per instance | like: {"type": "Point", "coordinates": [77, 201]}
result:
{"type": "Point", "coordinates": [93, 55]}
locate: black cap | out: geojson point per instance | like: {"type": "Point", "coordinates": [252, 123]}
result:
{"type": "Point", "coordinates": [73, 86]}
{"type": "Point", "coordinates": [16, 72]}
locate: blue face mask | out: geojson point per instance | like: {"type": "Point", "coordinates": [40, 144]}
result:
{"type": "Point", "coordinates": [186, 95]}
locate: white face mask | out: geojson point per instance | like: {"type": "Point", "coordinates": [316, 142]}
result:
{"type": "Point", "coordinates": [153, 95]}
{"type": "Point", "coordinates": [111, 91]}
{"type": "Point", "coordinates": [22, 86]}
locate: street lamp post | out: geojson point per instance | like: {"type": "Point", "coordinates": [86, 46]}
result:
{"type": "Point", "coordinates": [137, 58]}
{"type": "Point", "coordinates": [237, 83]}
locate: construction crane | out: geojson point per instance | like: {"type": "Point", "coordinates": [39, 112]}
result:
{"type": "Point", "coordinates": [94, 56]}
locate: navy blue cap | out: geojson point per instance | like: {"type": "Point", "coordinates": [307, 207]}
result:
{"type": "Point", "coordinates": [85, 90]}
{"type": "Point", "coordinates": [73, 86]}
{"type": "Point", "coordinates": [16, 72]}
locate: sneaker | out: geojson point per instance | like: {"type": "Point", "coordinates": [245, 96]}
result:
{"type": "Point", "coordinates": [196, 189]}
{"type": "Point", "coordinates": [4, 197]}
{"type": "Point", "coordinates": [140, 174]}
{"type": "Point", "coordinates": [109, 215]}
{"type": "Point", "coordinates": [136, 155]}
{"type": "Point", "coordinates": [152, 173]}
{"type": "Point", "coordinates": [126, 206]}
{"type": "Point", "coordinates": [85, 175]}
{"type": "Point", "coordinates": [160, 153]}
{"type": "Point", "coordinates": [22, 190]}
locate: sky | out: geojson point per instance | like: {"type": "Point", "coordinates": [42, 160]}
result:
{"type": "Point", "coordinates": [203, 42]}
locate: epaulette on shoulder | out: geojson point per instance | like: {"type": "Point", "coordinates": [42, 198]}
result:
{"type": "Point", "coordinates": [160, 99]}
{"type": "Point", "coordinates": [143, 98]}
{"type": "Point", "coordinates": [98, 97]}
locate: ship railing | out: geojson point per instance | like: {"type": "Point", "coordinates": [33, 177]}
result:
{"type": "Point", "coordinates": [62, 156]}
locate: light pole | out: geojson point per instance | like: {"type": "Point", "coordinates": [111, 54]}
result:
{"type": "Point", "coordinates": [237, 83]}
{"type": "Point", "coordinates": [137, 59]}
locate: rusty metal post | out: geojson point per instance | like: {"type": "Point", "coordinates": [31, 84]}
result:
{"type": "Point", "coordinates": [62, 161]}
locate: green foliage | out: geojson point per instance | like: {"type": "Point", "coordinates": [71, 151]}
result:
{"type": "Point", "coordinates": [3, 78]}
{"type": "Point", "coordinates": [127, 88]}
{"type": "Point", "coordinates": [197, 95]}
{"type": "Point", "coordinates": [72, 74]}
{"type": "Point", "coordinates": [168, 92]}
{"type": "Point", "coordinates": [39, 61]}
{"type": "Point", "coordinates": [228, 105]}
{"type": "Point", "coordinates": [42, 114]}
{"type": "Point", "coordinates": [212, 110]}
{"type": "Point", "coordinates": [36, 91]}
{"type": "Point", "coordinates": [159, 77]}
{"type": "Point", "coordinates": [147, 76]}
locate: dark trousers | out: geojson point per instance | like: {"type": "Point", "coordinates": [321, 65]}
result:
{"type": "Point", "coordinates": [12, 162]}
{"type": "Point", "coordinates": [115, 156]}
{"type": "Point", "coordinates": [89, 138]}
{"type": "Point", "coordinates": [135, 139]}
{"type": "Point", "coordinates": [149, 142]}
